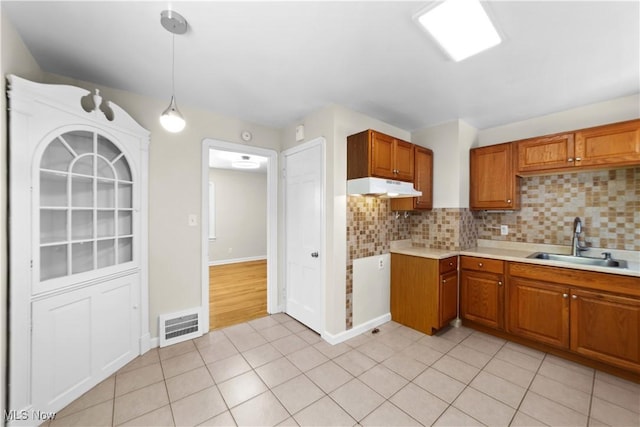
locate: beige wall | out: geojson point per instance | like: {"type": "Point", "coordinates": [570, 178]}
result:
{"type": "Point", "coordinates": [335, 123]}
{"type": "Point", "coordinates": [15, 59]}
{"type": "Point", "coordinates": [611, 111]}
{"type": "Point", "coordinates": [241, 215]}
{"type": "Point", "coordinates": [450, 143]}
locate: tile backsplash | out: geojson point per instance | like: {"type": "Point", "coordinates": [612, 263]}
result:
{"type": "Point", "coordinates": [607, 202]}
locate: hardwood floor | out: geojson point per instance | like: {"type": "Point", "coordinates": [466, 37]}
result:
{"type": "Point", "coordinates": [237, 293]}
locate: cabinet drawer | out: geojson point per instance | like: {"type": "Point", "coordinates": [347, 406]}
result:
{"type": "Point", "coordinates": [482, 264]}
{"type": "Point", "coordinates": [448, 264]}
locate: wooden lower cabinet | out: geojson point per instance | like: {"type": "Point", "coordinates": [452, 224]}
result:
{"type": "Point", "coordinates": [576, 311]}
{"type": "Point", "coordinates": [424, 292]}
{"type": "Point", "coordinates": [538, 311]}
{"type": "Point", "coordinates": [606, 328]}
{"type": "Point", "coordinates": [482, 291]}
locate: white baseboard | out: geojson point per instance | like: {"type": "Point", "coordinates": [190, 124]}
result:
{"type": "Point", "coordinates": [145, 343]}
{"type": "Point", "coordinates": [154, 342]}
{"type": "Point", "coordinates": [237, 260]}
{"type": "Point", "coordinates": [356, 330]}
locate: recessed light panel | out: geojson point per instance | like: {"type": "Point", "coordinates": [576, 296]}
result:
{"type": "Point", "coordinates": [461, 27]}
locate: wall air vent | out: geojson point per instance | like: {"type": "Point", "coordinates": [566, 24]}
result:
{"type": "Point", "coordinates": [180, 326]}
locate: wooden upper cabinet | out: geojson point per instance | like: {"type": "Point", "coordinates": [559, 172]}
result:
{"type": "Point", "coordinates": [608, 146]}
{"type": "Point", "coordinates": [617, 144]}
{"type": "Point", "coordinates": [550, 152]}
{"type": "Point", "coordinates": [493, 181]}
{"type": "Point", "coordinates": [423, 181]}
{"type": "Point", "coordinates": [371, 153]}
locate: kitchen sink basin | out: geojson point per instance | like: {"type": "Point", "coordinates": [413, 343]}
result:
{"type": "Point", "coordinates": [582, 260]}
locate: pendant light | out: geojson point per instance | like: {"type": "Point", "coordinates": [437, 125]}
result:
{"type": "Point", "coordinates": [171, 118]}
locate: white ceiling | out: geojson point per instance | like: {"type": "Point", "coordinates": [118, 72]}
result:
{"type": "Point", "coordinates": [274, 62]}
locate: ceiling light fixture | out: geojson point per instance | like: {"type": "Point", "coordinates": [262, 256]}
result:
{"type": "Point", "coordinates": [245, 163]}
{"type": "Point", "coordinates": [461, 27]}
{"type": "Point", "coordinates": [171, 118]}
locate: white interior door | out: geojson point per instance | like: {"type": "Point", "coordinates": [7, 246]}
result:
{"type": "Point", "coordinates": [303, 229]}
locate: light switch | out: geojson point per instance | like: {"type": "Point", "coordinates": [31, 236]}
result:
{"type": "Point", "coordinates": [193, 220]}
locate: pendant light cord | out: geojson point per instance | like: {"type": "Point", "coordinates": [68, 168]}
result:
{"type": "Point", "coordinates": [173, 65]}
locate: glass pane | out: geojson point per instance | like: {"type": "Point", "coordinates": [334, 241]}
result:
{"type": "Point", "coordinates": [56, 157]}
{"type": "Point", "coordinates": [124, 223]}
{"type": "Point", "coordinates": [104, 169]}
{"type": "Point", "coordinates": [53, 189]}
{"type": "Point", "coordinates": [53, 262]}
{"type": "Point", "coordinates": [106, 223]}
{"type": "Point", "coordinates": [82, 192]}
{"type": "Point", "coordinates": [80, 140]}
{"type": "Point", "coordinates": [125, 196]}
{"type": "Point", "coordinates": [84, 165]}
{"type": "Point", "coordinates": [107, 149]}
{"type": "Point", "coordinates": [122, 169]}
{"type": "Point", "coordinates": [82, 225]}
{"type": "Point", "coordinates": [81, 257]}
{"type": "Point", "coordinates": [125, 250]}
{"type": "Point", "coordinates": [106, 253]}
{"type": "Point", "coordinates": [53, 226]}
{"type": "Point", "coordinates": [106, 194]}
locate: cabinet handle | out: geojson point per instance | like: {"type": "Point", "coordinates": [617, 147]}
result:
{"type": "Point", "coordinates": [574, 296]}
{"type": "Point", "coordinates": [565, 295]}
{"type": "Point", "coordinates": [500, 283]}
{"type": "Point", "coordinates": [570, 159]}
{"type": "Point", "coordinates": [578, 159]}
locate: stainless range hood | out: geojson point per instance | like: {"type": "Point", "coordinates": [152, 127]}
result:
{"type": "Point", "coordinates": [381, 187]}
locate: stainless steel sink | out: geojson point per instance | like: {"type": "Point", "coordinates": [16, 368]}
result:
{"type": "Point", "coordinates": [582, 260]}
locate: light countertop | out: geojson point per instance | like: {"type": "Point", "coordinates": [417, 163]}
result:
{"type": "Point", "coordinates": [518, 252]}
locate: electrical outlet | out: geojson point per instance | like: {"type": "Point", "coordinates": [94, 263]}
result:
{"type": "Point", "coordinates": [504, 230]}
{"type": "Point", "coordinates": [193, 220]}
{"type": "Point", "coordinates": [380, 263]}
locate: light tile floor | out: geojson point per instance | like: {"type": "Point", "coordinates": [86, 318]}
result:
{"type": "Point", "coordinates": [274, 371]}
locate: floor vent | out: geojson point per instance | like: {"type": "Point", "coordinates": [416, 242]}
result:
{"type": "Point", "coordinates": [180, 326]}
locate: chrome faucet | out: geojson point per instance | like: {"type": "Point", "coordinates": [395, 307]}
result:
{"type": "Point", "coordinates": [576, 248]}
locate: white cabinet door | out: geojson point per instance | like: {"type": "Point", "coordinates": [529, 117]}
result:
{"type": "Point", "coordinates": [81, 337]}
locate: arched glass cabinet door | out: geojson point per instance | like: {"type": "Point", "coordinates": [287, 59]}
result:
{"type": "Point", "coordinates": [85, 205]}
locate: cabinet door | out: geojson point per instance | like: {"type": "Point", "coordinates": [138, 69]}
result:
{"type": "Point", "coordinates": [422, 181]}
{"type": "Point", "coordinates": [612, 145]}
{"type": "Point", "coordinates": [482, 298]}
{"type": "Point", "coordinates": [448, 298]}
{"type": "Point", "coordinates": [403, 161]}
{"type": "Point", "coordinates": [539, 311]}
{"type": "Point", "coordinates": [606, 327]}
{"type": "Point", "coordinates": [382, 161]}
{"type": "Point", "coordinates": [493, 179]}
{"type": "Point", "coordinates": [552, 152]}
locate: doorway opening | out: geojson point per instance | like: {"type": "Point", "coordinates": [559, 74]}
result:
{"type": "Point", "coordinates": [239, 233]}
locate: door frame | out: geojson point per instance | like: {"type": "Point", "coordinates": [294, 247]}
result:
{"type": "Point", "coordinates": [273, 305]}
{"type": "Point", "coordinates": [321, 141]}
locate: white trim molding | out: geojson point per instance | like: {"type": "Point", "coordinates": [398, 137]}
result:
{"type": "Point", "coordinates": [237, 260]}
{"type": "Point", "coordinates": [357, 330]}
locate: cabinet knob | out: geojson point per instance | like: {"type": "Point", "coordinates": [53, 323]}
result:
{"type": "Point", "coordinates": [479, 264]}
{"type": "Point", "coordinates": [574, 296]}
{"type": "Point", "coordinates": [450, 264]}
{"type": "Point", "coordinates": [570, 159]}
{"type": "Point", "coordinates": [508, 200]}
{"type": "Point", "coordinates": [500, 283]}
{"type": "Point", "coordinates": [565, 295]}
{"type": "Point", "coordinates": [578, 159]}
{"type": "Point", "coordinates": [444, 280]}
